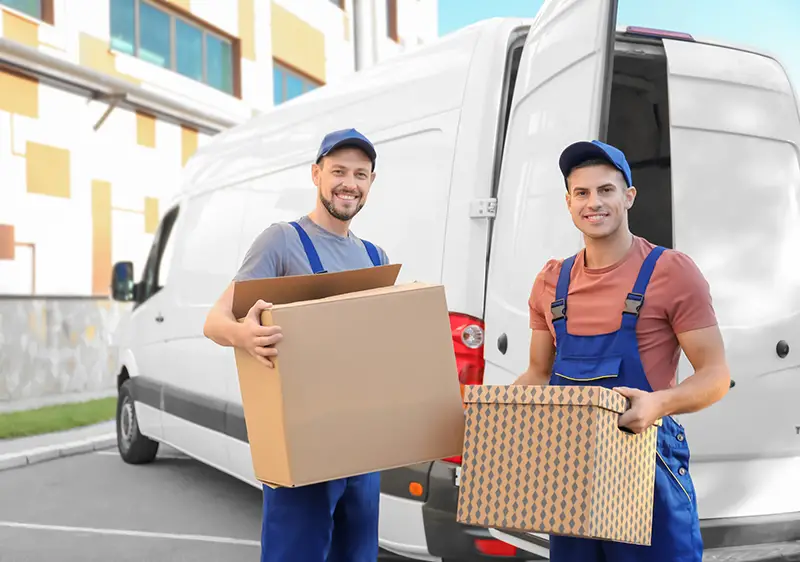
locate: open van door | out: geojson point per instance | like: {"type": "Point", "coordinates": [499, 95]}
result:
{"type": "Point", "coordinates": [735, 136]}
{"type": "Point", "coordinates": [561, 96]}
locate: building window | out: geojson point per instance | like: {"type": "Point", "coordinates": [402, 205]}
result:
{"type": "Point", "coordinates": [39, 9]}
{"type": "Point", "coordinates": [146, 30]}
{"type": "Point", "coordinates": [391, 20]}
{"type": "Point", "coordinates": [288, 84]}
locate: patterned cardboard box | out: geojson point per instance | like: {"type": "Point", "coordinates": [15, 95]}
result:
{"type": "Point", "coordinates": [552, 459]}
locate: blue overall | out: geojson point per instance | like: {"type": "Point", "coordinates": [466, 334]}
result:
{"type": "Point", "coordinates": [612, 360]}
{"type": "Point", "coordinates": [334, 521]}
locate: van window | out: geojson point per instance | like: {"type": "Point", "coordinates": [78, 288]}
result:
{"type": "Point", "coordinates": [156, 269]}
{"type": "Point", "coordinates": [639, 125]}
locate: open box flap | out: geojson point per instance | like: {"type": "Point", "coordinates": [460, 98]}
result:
{"type": "Point", "coordinates": [284, 290]}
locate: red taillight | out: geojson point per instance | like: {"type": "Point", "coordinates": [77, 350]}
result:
{"type": "Point", "coordinates": [494, 547]}
{"type": "Point", "coordinates": [467, 334]}
{"type": "Point", "coordinates": [468, 346]}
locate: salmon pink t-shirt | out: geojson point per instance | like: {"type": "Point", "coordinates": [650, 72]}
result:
{"type": "Point", "coordinates": [677, 300]}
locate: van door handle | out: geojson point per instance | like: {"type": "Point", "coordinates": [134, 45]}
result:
{"type": "Point", "coordinates": [502, 343]}
{"type": "Point", "coordinates": [159, 318]}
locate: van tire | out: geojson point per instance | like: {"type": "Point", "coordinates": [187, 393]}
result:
{"type": "Point", "coordinates": [134, 448]}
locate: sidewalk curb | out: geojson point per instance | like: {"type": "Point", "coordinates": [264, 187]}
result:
{"type": "Point", "coordinates": [51, 452]}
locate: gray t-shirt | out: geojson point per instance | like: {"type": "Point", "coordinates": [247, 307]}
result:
{"type": "Point", "coordinates": [278, 252]}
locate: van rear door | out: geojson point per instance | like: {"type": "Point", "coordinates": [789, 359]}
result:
{"type": "Point", "coordinates": [735, 132]}
{"type": "Point", "coordinates": [561, 95]}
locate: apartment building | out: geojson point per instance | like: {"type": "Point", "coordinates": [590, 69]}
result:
{"type": "Point", "coordinates": [102, 102]}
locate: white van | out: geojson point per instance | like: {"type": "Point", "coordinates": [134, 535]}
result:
{"type": "Point", "coordinates": [469, 194]}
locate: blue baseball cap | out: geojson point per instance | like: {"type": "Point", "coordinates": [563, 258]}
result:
{"type": "Point", "coordinates": [346, 137]}
{"type": "Point", "coordinates": [580, 152]}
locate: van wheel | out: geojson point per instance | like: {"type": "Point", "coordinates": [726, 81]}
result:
{"type": "Point", "coordinates": [134, 448]}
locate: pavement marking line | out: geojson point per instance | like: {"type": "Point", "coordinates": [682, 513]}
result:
{"type": "Point", "coordinates": [126, 533]}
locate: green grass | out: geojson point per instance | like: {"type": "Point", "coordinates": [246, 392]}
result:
{"type": "Point", "coordinates": [56, 418]}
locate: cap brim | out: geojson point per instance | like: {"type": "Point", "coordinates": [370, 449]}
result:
{"type": "Point", "coordinates": [580, 152]}
{"type": "Point", "coordinates": [358, 143]}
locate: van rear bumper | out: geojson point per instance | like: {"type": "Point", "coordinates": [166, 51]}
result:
{"type": "Point", "coordinates": [444, 537]}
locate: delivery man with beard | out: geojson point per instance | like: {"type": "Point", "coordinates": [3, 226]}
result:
{"type": "Point", "coordinates": [334, 521]}
{"type": "Point", "coordinates": [617, 314]}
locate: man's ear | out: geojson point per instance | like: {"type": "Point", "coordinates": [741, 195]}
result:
{"type": "Point", "coordinates": [316, 172]}
{"type": "Point", "coordinates": [630, 197]}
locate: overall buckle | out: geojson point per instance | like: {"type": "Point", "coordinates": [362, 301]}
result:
{"type": "Point", "coordinates": [559, 309]}
{"type": "Point", "coordinates": [633, 304]}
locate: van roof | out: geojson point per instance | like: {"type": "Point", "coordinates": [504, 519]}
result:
{"type": "Point", "coordinates": [422, 82]}
{"type": "Point", "coordinates": [288, 135]}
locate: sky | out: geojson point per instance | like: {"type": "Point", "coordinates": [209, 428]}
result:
{"type": "Point", "coordinates": [773, 27]}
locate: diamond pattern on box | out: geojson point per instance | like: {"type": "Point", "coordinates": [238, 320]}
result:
{"type": "Point", "coordinates": [552, 459]}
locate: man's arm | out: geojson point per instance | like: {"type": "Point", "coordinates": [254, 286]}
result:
{"type": "Point", "coordinates": [692, 317]}
{"type": "Point", "coordinates": [542, 352]}
{"type": "Point", "coordinates": [711, 380]}
{"type": "Point", "coordinates": [222, 327]}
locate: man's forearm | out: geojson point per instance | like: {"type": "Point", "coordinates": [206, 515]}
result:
{"type": "Point", "coordinates": [531, 377]}
{"type": "Point", "coordinates": [222, 328]}
{"type": "Point", "coordinates": [697, 392]}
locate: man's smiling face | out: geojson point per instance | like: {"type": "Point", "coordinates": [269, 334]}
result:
{"type": "Point", "coordinates": [343, 179]}
{"type": "Point", "coordinates": [598, 199]}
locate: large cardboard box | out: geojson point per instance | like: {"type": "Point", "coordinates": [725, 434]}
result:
{"type": "Point", "coordinates": [552, 459]}
{"type": "Point", "coordinates": [365, 378]}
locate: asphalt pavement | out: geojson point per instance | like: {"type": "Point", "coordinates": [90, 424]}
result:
{"type": "Point", "coordinates": [94, 507]}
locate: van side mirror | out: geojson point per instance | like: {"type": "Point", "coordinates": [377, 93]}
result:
{"type": "Point", "coordinates": [122, 285]}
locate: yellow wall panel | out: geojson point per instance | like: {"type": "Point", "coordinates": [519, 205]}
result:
{"type": "Point", "coordinates": [101, 237]}
{"type": "Point", "coordinates": [20, 29]}
{"type": "Point", "coordinates": [19, 94]}
{"type": "Point", "coordinates": [145, 130]}
{"type": "Point", "coordinates": [188, 143]}
{"type": "Point", "coordinates": [48, 170]}
{"type": "Point", "coordinates": [150, 215]}
{"type": "Point", "coordinates": [298, 44]}
{"type": "Point", "coordinates": [247, 28]}
{"type": "Point", "coordinates": [7, 245]}
{"type": "Point", "coordinates": [95, 54]}
{"type": "Point", "coordinates": [183, 4]}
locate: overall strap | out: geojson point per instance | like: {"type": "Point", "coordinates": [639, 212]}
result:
{"type": "Point", "coordinates": [311, 251]}
{"type": "Point", "coordinates": [559, 306]}
{"type": "Point", "coordinates": [373, 252]}
{"type": "Point", "coordinates": [635, 299]}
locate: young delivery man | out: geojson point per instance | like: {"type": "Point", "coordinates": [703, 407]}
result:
{"type": "Point", "coordinates": [617, 315]}
{"type": "Point", "coordinates": [333, 521]}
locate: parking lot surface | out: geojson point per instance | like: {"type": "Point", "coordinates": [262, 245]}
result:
{"type": "Point", "coordinates": [94, 507]}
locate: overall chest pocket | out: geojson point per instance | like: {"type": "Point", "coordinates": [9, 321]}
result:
{"type": "Point", "coordinates": [586, 370]}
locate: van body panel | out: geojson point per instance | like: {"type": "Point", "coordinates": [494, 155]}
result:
{"type": "Point", "coordinates": [558, 99]}
{"type": "Point", "coordinates": [736, 191]}
{"type": "Point", "coordinates": [476, 162]}
{"type": "Point", "coordinates": [401, 90]}
{"type": "Point", "coordinates": [438, 120]}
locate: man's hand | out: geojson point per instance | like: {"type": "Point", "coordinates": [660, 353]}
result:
{"type": "Point", "coordinates": [646, 408]}
{"type": "Point", "coordinates": [259, 341]}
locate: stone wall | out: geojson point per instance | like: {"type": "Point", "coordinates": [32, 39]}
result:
{"type": "Point", "coordinates": [54, 346]}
